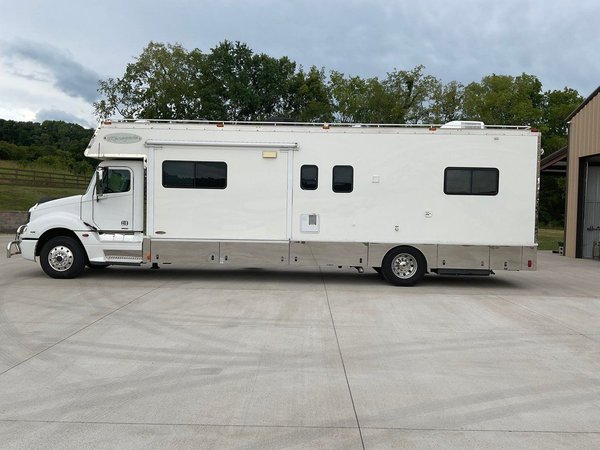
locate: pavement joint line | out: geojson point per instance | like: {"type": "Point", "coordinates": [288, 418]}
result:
{"type": "Point", "coordinates": [76, 332]}
{"type": "Point", "coordinates": [552, 318]}
{"type": "Point", "coordinates": [482, 430]}
{"type": "Point", "coordinates": [342, 360]}
{"type": "Point", "coordinates": [316, 427]}
{"type": "Point", "coordinates": [175, 424]}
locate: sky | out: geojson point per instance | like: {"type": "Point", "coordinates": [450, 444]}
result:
{"type": "Point", "coordinates": [53, 53]}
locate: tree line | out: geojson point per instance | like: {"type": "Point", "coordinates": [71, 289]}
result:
{"type": "Point", "coordinates": [231, 82]}
{"type": "Point", "coordinates": [54, 144]}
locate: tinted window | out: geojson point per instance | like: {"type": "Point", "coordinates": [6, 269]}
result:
{"type": "Point", "coordinates": [178, 174]}
{"type": "Point", "coordinates": [211, 175]}
{"type": "Point", "coordinates": [471, 181]}
{"type": "Point", "coordinates": [116, 180]}
{"type": "Point", "coordinates": [343, 179]}
{"type": "Point", "coordinates": [309, 177]}
{"type": "Point", "coordinates": [194, 174]}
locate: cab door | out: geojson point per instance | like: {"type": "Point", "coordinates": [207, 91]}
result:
{"type": "Point", "coordinates": [113, 206]}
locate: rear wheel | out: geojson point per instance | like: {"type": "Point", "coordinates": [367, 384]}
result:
{"type": "Point", "coordinates": [403, 266]}
{"type": "Point", "coordinates": [62, 257]}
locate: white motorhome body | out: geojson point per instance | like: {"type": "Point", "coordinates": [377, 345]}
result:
{"type": "Point", "coordinates": [406, 199]}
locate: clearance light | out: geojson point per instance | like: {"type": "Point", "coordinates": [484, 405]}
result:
{"type": "Point", "coordinates": [529, 263]}
{"type": "Point", "coordinates": [432, 129]}
{"type": "Point", "coordinates": [107, 122]}
{"type": "Point", "coordinates": [220, 124]}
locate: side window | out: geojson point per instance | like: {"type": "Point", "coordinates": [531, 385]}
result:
{"type": "Point", "coordinates": [194, 174]}
{"type": "Point", "coordinates": [211, 175]}
{"type": "Point", "coordinates": [309, 177]}
{"type": "Point", "coordinates": [116, 180]}
{"type": "Point", "coordinates": [471, 181]}
{"type": "Point", "coordinates": [343, 179]}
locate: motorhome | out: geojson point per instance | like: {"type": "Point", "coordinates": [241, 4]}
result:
{"type": "Point", "coordinates": [405, 200]}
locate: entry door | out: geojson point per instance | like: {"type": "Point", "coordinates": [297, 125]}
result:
{"type": "Point", "coordinates": [591, 215]}
{"type": "Point", "coordinates": [113, 210]}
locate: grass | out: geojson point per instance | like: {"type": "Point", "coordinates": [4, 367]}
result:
{"type": "Point", "coordinates": [548, 238]}
{"type": "Point", "coordinates": [21, 198]}
{"type": "Point", "coordinates": [30, 165]}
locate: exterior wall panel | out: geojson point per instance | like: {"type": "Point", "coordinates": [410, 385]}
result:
{"type": "Point", "coordinates": [584, 140]}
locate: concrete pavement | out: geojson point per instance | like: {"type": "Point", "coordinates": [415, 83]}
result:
{"type": "Point", "coordinates": [299, 358]}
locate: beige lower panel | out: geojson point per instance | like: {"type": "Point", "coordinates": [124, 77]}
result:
{"type": "Point", "coordinates": [184, 252]}
{"type": "Point", "coordinates": [254, 254]}
{"type": "Point", "coordinates": [328, 253]}
{"type": "Point", "coordinates": [529, 254]}
{"type": "Point", "coordinates": [463, 257]}
{"type": "Point", "coordinates": [505, 258]}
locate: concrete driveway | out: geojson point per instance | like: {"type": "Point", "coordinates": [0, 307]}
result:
{"type": "Point", "coordinates": [184, 358]}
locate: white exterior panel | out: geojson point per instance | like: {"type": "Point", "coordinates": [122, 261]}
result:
{"type": "Point", "coordinates": [398, 192]}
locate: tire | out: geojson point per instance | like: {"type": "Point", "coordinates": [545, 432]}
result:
{"type": "Point", "coordinates": [403, 266]}
{"type": "Point", "coordinates": [62, 257]}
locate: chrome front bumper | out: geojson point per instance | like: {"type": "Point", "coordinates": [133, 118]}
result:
{"type": "Point", "coordinates": [16, 244]}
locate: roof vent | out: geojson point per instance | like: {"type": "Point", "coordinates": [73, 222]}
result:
{"type": "Point", "coordinates": [463, 124]}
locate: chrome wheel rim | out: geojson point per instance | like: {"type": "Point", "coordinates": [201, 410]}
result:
{"type": "Point", "coordinates": [404, 265]}
{"type": "Point", "coordinates": [60, 258]}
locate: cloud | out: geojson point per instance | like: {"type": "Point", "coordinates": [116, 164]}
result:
{"type": "Point", "coordinates": [56, 114]}
{"type": "Point", "coordinates": [54, 65]}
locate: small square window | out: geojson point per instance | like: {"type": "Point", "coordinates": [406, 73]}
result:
{"type": "Point", "coordinates": [343, 179]}
{"type": "Point", "coordinates": [309, 177]}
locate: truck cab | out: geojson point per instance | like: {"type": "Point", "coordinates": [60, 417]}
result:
{"type": "Point", "coordinates": [101, 227]}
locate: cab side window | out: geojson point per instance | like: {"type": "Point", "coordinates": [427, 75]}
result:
{"type": "Point", "coordinates": [116, 180]}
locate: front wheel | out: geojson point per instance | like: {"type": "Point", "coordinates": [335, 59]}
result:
{"type": "Point", "coordinates": [62, 257]}
{"type": "Point", "coordinates": [403, 266]}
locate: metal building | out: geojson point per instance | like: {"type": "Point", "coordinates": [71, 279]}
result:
{"type": "Point", "coordinates": [582, 215]}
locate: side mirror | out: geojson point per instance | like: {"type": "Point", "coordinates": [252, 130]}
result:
{"type": "Point", "coordinates": [99, 183]}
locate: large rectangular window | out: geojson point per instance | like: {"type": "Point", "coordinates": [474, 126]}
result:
{"type": "Point", "coordinates": [309, 177]}
{"type": "Point", "coordinates": [194, 174]}
{"type": "Point", "coordinates": [471, 181]}
{"type": "Point", "coordinates": [343, 179]}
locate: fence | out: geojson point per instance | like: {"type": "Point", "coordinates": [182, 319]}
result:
{"type": "Point", "coordinates": [27, 177]}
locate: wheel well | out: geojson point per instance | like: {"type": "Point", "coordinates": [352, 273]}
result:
{"type": "Point", "coordinates": [407, 247]}
{"type": "Point", "coordinates": [54, 233]}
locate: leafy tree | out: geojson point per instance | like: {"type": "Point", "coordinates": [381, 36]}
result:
{"type": "Point", "coordinates": [505, 100]}
{"type": "Point", "coordinates": [156, 85]}
{"type": "Point", "coordinates": [557, 105]}
{"type": "Point", "coordinates": [447, 102]}
{"type": "Point", "coordinates": [411, 92]}
{"type": "Point", "coordinates": [309, 99]}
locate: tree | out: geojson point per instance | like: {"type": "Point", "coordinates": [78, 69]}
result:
{"type": "Point", "coordinates": [505, 100]}
{"type": "Point", "coordinates": [557, 105]}
{"type": "Point", "coordinates": [309, 99]}
{"type": "Point", "coordinates": [356, 100]}
{"type": "Point", "coordinates": [156, 85]}
{"type": "Point", "coordinates": [446, 102]}
{"type": "Point", "coordinates": [411, 93]}
{"type": "Point", "coordinates": [229, 83]}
